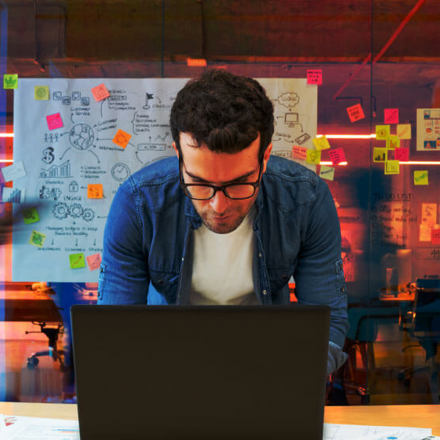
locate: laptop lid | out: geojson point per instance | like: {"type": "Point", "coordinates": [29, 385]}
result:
{"type": "Point", "coordinates": [191, 372]}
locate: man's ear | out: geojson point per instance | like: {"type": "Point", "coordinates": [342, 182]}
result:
{"type": "Point", "coordinates": [266, 156]}
{"type": "Point", "coordinates": [175, 148]}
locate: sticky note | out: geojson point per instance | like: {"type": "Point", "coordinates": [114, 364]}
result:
{"type": "Point", "coordinates": [122, 138]}
{"type": "Point", "coordinates": [30, 215]}
{"type": "Point", "coordinates": [95, 191]}
{"type": "Point", "coordinates": [321, 143]}
{"type": "Point", "coordinates": [77, 261]}
{"type": "Point", "coordinates": [421, 177]}
{"type": "Point", "coordinates": [327, 172]}
{"type": "Point", "coordinates": [37, 238]}
{"type": "Point", "coordinates": [54, 121]}
{"type": "Point", "coordinates": [100, 92]}
{"type": "Point", "coordinates": [314, 76]}
{"type": "Point", "coordinates": [391, 116]}
{"type": "Point", "coordinates": [382, 132]}
{"type": "Point", "coordinates": [403, 131]}
{"type": "Point", "coordinates": [10, 81]}
{"type": "Point", "coordinates": [337, 156]}
{"type": "Point", "coordinates": [41, 93]}
{"type": "Point", "coordinates": [392, 167]}
{"type": "Point", "coordinates": [435, 235]}
{"type": "Point", "coordinates": [429, 214]}
{"type": "Point", "coordinates": [93, 261]}
{"type": "Point", "coordinates": [379, 154]}
{"type": "Point", "coordinates": [299, 152]}
{"type": "Point", "coordinates": [196, 62]}
{"type": "Point", "coordinates": [393, 142]}
{"type": "Point", "coordinates": [313, 157]}
{"type": "Point", "coordinates": [401, 154]}
{"type": "Point", "coordinates": [13, 172]}
{"type": "Point", "coordinates": [355, 113]}
{"type": "Point", "coordinates": [424, 232]}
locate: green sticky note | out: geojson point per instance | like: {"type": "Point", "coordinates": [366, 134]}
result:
{"type": "Point", "coordinates": [421, 177]}
{"type": "Point", "coordinates": [41, 93]}
{"type": "Point", "coordinates": [77, 261]}
{"type": "Point", "coordinates": [10, 81]}
{"type": "Point", "coordinates": [30, 216]}
{"type": "Point", "coordinates": [37, 239]}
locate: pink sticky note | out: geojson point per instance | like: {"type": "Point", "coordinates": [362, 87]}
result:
{"type": "Point", "coordinates": [94, 261]}
{"type": "Point", "coordinates": [355, 113]}
{"type": "Point", "coordinates": [391, 116]}
{"type": "Point", "coordinates": [401, 154]}
{"type": "Point", "coordinates": [299, 152]}
{"type": "Point", "coordinates": [337, 155]}
{"type": "Point", "coordinates": [435, 236]}
{"type": "Point", "coordinates": [54, 121]}
{"type": "Point", "coordinates": [314, 77]}
{"type": "Point", "coordinates": [100, 92]}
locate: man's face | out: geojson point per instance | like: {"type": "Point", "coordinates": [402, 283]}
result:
{"type": "Point", "coordinates": [221, 214]}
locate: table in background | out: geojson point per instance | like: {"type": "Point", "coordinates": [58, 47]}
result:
{"type": "Point", "coordinates": [418, 416]}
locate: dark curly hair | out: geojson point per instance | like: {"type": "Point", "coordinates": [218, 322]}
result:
{"type": "Point", "coordinates": [224, 111]}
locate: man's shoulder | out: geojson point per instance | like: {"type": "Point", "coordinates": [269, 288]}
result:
{"type": "Point", "coordinates": [289, 183]}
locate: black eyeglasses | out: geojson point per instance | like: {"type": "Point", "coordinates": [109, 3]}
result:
{"type": "Point", "coordinates": [205, 191]}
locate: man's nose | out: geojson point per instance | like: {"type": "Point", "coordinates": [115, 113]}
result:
{"type": "Point", "coordinates": [219, 203]}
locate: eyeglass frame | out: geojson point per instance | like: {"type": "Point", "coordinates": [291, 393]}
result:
{"type": "Point", "coordinates": [216, 188]}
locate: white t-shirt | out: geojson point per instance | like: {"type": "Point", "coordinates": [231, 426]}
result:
{"type": "Point", "coordinates": [222, 269]}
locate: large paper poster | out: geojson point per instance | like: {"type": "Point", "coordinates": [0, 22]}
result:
{"type": "Point", "coordinates": [76, 141]}
{"type": "Point", "coordinates": [428, 129]}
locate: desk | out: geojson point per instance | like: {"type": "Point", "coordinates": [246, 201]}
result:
{"type": "Point", "coordinates": [418, 416]}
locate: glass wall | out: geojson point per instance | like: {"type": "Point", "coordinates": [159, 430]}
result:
{"type": "Point", "coordinates": [379, 103]}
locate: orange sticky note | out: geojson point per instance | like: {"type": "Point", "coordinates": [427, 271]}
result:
{"type": "Point", "coordinates": [95, 191]}
{"type": "Point", "coordinates": [403, 131]}
{"type": "Point", "coordinates": [122, 138]}
{"type": "Point", "coordinates": [355, 112]}
{"type": "Point", "coordinates": [100, 92]}
{"type": "Point", "coordinates": [435, 236]}
{"type": "Point", "coordinates": [93, 261]}
{"type": "Point", "coordinates": [196, 62]}
{"type": "Point", "coordinates": [299, 152]}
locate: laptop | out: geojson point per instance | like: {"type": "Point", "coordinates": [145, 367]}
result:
{"type": "Point", "coordinates": [200, 372]}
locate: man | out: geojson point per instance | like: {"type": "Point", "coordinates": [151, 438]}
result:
{"type": "Point", "coordinates": [221, 223]}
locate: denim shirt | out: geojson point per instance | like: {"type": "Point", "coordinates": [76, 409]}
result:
{"type": "Point", "coordinates": [148, 243]}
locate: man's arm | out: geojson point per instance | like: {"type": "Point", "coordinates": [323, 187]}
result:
{"type": "Point", "coordinates": [319, 275]}
{"type": "Point", "coordinates": [123, 277]}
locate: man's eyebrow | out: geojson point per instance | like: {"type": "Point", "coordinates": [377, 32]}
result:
{"type": "Point", "coordinates": [236, 180]}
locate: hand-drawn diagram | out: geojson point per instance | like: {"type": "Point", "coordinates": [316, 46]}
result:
{"type": "Point", "coordinates": [84, 151]}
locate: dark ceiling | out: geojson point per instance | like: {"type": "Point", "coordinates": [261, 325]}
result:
{"type": "Point", "coordinates": [90, 35]}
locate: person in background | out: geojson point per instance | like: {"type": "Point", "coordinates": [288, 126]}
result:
{"type": "Point", "coordinates": [224, 222]}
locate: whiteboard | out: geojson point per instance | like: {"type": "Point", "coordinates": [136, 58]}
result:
{"type": "Point", "coordinates": [59, 164]}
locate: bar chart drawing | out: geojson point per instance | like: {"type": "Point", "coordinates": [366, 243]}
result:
{"type": "Point", "coordinates": [56, 171]}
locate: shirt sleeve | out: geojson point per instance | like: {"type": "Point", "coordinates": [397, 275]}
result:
{"type": "Point", "coordinates": [124, 277]}
{"type": "Point", "coordinates": [319, 274]}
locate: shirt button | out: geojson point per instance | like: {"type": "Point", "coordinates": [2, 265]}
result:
{"type": "Point", "coordinates": [264, 292]}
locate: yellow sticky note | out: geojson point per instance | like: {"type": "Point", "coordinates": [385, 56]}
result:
{"type": "Point", "coordinates": [313, 157]}
{"type": "Point", "coordinates": [393, 142]}
{"type": "Point", "coordinates": [10, 81]}
{"type": "Point", "coordinates": [421, 177]}
{"type": "Point", "coordinates": [379, 154]}
{"type": "Point", "coordinates": [95, 191]}
{"type": "Point", "coordinates": [37, 239]}
{"type": "Point", "coordinates": [321, 143]}
{"type": "Point", "coordinates": [122, 138]}
{"type": "Point", "coordinates": [327, 172]}
{"type": "Point", "coordinates": [41, 93]}
{"type": "Point", "coordinates": [392, 167]}
{"type": "Point", "coordinates": [382, 132]}
{"type": "Point", "coordinates": [403, 131]}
